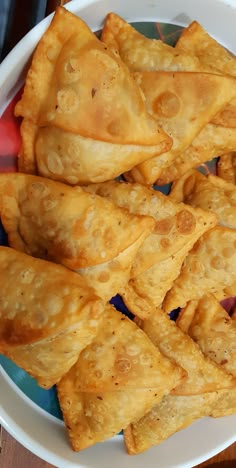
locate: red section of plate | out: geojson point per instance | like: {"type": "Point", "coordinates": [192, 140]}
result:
{"type": "Point", "coordinates": [10, 139]}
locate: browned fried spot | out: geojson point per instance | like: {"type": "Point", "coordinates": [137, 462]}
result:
{"type": "Point", "coordinates": [217, 262]}
{"type": "Point", "coordinates": [104, 277]}
{"type": "Point", "coordinates": [123, 365]}
{"type": "Point", "coordinates": [166, 105]}
{"type": "Point", "coordinates": [185, 222]}
{"type": "Point", "coordinates": [165, 243]}
{"type": "Point", "coordinates": [164, 225]}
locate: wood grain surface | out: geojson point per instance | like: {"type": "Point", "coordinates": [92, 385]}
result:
{"type": "Point", "coordinates": [14, 455]}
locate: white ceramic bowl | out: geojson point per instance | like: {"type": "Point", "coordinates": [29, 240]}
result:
{"type": "Point", "coordinates": [36, 429]}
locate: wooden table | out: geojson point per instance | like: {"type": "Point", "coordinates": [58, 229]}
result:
{"type": "Point", "coordinates": [14, 455]}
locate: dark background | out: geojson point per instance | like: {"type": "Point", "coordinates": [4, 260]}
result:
{"type": "Point", "coordinates": [17, 17]}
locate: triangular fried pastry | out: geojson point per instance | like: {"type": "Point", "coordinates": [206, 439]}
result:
{"type": "Point", "coordinates": [176, 225]}
{"type": "Point", "coordinates": [226, 167]}
{"type": "Point", "coordinates": [70, 84]}
{"type": "Point", "coordinates": [183, 103]}
{"type": "Point", "coordinates": [83, 231]}
{"type": "Point", "coordinates": [63, 95]}
{"type": "Point", "coordinates": [209, 193]}
{"type": "Point", "coordinates": [115, 381]}
{"type": "Point", "coordinates": [60, 155]}
{"type": "Point", "coordinates": [75, 160]}
{"type": "Point", "coordinates": [111, 277]}
{"type": "Point", "coordinates": [148, 290]}
{"type": "Point", "coordinates": [203, 374]}
{"type": "Point", "coordinates": [172, 414]}
{"type": "Point", "coordinates": [212, 141]}
{"type": "Point", "coordinates": [210, 267]}
{"type": "Point", "coordinates": [195, 41]}
{"type": "Point", "coordinates": [142, 54]}
{"type": "Point", "coordinates": [175, 412]}
{"type": "Point", "coordinates": [128, 359]}
{"type": "Point", "coordinates": [215, 332]}
{"type": "Point", "coordinates": [48, 315]}
{"type": "Point", "coordinates": [95, 417]}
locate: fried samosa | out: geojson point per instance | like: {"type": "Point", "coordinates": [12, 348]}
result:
{"type": "Point", "coordinates": [195, 41]}
{"type": "Point", "coordinates": [226, 167]}
{"type": "Point", "coordinates": [175, 412]}
{"type": "Point", "coordinates": [73, 117]}
{"type": "Point", "coordinates": [115, 380]}
{"type": "Point", "coordinates": [176, 224]}
{"type": "Point", "coordinates": [210, 267]}
{"type": "Point", "coordinates": [212, 141]}
{"type": "Point", "coordinates": [159, 259]}
{"type": "Point", "coordinates": [171, 415]}
{"type": "Point", "coordinates": [209, 193]}
{"type": "Point", "coordinates": [48, 315]}
{"type": "Point", "coordinates": [142, 54]}
{"type": "Point", "coordinates": [83, 231]}
{"type": "Point", "coordinates": [203, 375]}
{"type": "Point", "coordinates": [182, 103]}
{"type": "Point", "coordinates": [147, 291]}
{"type": "Point", "coordinates": [195, 51]}
{"type": "Point", "coordinates": [215, 332]}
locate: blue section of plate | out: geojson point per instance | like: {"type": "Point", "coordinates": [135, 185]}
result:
{"type": "Point", "coordinates": [45, 399]}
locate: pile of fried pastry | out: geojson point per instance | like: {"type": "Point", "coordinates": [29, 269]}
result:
{"type": "Point", "coordinates": [93, 110]}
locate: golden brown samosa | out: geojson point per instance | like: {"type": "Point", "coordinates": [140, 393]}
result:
{"type": "Point", "coordinates": [183, 103]}
{"type": "Point", "coordinates": [142, 54]}
{"type": "Point", "coordinates": [195, 41]}
{"type": "Point", "coordinates": [203, 375]}
{"type": "Point", "coordinates": [147, 291]}
{"type": "Point", "coordinates": [83, 231]}
{"type": "Point", "coordinates": [172, 414]}
{"type": "Point", "coordinates": [215, 332]}
{"type": "Point", "coordinates": [195, 51]}
{"type": "Point", "coordinates": [180, 409]}
{"type": "Point", "coordinates": [115, 381]}
{"type": "Point", "coordinates": [159, 259]}
{"type": "Point", "coordinates": [210, 267]}
{"type": "Point", "coordinates": [48, 315]}
{"type": "Point", "coordinates": [71, 113]}
{"type": "Point", "coordinates": [176, 224]}
{"type": "Point", "coordinates": [209, 193]}
{"type": "Point", "coordinates": [212, 141]}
